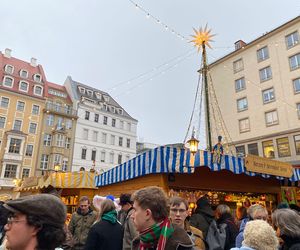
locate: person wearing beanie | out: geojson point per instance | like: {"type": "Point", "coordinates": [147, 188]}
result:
{"type": "Point", "coordinates": [107, 233]}
{"type": "Point", "coordinates": [259, 235]}
{"type": "Point", "coordinates": [36, 222]}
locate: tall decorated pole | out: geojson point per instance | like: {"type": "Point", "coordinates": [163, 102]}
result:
{"type": "Point", "coordinates": [202, 38]}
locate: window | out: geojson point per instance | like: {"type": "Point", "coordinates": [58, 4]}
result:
{"type": "Point", "coordinates": [268, 149]}
{"type": "Point", "coordinates": [93, 157]}
{"type": "Point", "coordinates": [29, 150]}
{"type": "Point", "coordinates": [60, 140]}
{"type": "Point", "coordinates": [68, 109]}
{"type": "Point", "coordinates": [113, 122]}
{"type": "Point", "coordinates": [129, 126]}
{"type": "Point", "coordinates": [96, 118]}
{"type": "Point", "coordinates": [50, 120]}
{"type": "Point", "coordinates": [268, 95]}
{"type": "Point", "coordinates": [292, 39]}
{"type": "Point", "coordinates": [104, 135]}
{"type": "Point", "coordinates": [294, 61]}
{"type": "Point", "coordinates": [38, 90]}
{"type": "Point", "coordinates": [14, 146]}
{"type": "Point", "coordinates": [60, 122]}
{"type": "Point", "coordinates": [296, 84]}
{"type": "Point", "coordinates": [120, 141]}
{"type": "Point", "coordinates": [23, 86]}
{"type": "Point", "coordinates": [238, 65]}
{"type": "Point", "coordinates": [120, 159]}
{"type": "Point", "coordinates": [68, 124]}
{"type": "Point", "coordinates": [112, 139]}
{"type": "Point", "coordinates": [121, 125]}
{"type": "Point", "coordinates": [242, 104]}
{"type": "Point", "coordinates": [83, 153]}
{"type": "Point", "coordinates": [57, 106]}
{"type": "Point", "coordinates": [98, 95]}
{"type": "Point", "coordinates": [56, 159]}
{"type": "Point", "coordinates": [120, 111]}
{"type": "Point", "coordinates": [25, 173]}
{"type": "Point", "coordinates": [35, 109]}
{"type": "Point", "coordinates": [4, 102]}
{"type": "Point", "coordinates": [81, 90]}
{"type": "Point", "coordinates": [271, 118]}
{"type": "Point", "coordinates": [298, 109]}
{"type": "Point", "coordinates": [20, 106]}
{"type": "Point", "coordinates": [8, 82]}
{"type": "Point", "coordinates": [102, 156]}
{"type": "Point", "coordinates": [297, 144]}
{"type": "Point", "coordinates": [37, 78]}
{"type": "Point", "coordinates": [23, 73]}
{"type": "Point", "coordinates": [2, 122]}
{"type": "Point", "coordinates": [106, 98]}
{"type": "Point", "coordinates": [283, 147]}
{"type": "Point", "coordinates": [18, 125]}
{"type": "Point", "coordinates": [240, 84]}
{"type": "Point", "coordinates": [47, 139]}
{"type": "Point", "coordinates": [44, 161]}
{"type": "Point", "coordinates": [111, 157]}
{"type": "Point", "coordinates": [68, 142]}
{"type": "Point", "coordinates": [85, 134]}
{"type": "Point", "coordinates": [10, 171]}
{"type": "Point", "coordinates": [89, 92]}
{"type": "Point", "coordinates": [87, 115]}
{"type": "Point", "coordinates": [65, 165]}
{"type": "Point", "coordinates": [265, 74]}
{"type": "Point", "coordinates": [95, 136]}
{"type": "Point", "coordinates": [262, 54]}
{"type": "Point", "coordinates": [105, 120]}
{"type": "Point", "coordinates": [240, 151]}
{"type": "Point", "coordinates": [32, 128]}
{"type": "Point", "coordinates": [253, 149]}
{"type": "Point", "coordinates": [9, 69]}
{"type": "Point", "coordinates": [128, 143]}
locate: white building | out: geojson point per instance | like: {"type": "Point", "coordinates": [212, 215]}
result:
{"type": "Point", "coordinates": [258, 91]}
{"type": "Point", "coordinates": [105, 133]}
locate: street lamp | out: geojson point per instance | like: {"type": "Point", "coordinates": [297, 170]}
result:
{"type": "Point", "coordinates": [193, 142]}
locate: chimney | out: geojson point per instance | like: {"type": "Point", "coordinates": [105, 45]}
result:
{"type": "Point", "coordinates": [7, 53]}
{"type": "Point", "coordinates": [33, 62]}
{"type": "Point", "coordinates": [239, 44]}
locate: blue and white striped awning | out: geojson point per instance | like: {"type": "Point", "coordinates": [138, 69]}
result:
{"type": "Point", "coordinates": [175, 160]}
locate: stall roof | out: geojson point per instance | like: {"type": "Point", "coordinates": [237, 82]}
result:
{"type": "Point", "coordinates": [167, 159]}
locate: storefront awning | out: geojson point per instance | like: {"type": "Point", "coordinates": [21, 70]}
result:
{"type": "Point", "coordinates": [176, 160]}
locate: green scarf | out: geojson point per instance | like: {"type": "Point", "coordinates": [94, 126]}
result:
{"type": "Point", "coordinates": [110, 216]}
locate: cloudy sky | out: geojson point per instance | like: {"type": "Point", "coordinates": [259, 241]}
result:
{"type": "Point", "coordinates": [115, 46]}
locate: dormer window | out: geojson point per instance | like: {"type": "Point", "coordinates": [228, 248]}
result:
{"type": "Point", "coordinates": [120, 111]}
{"type": "Point", "coordinates": [89, 92]}
{"type": "Point", "coordinates": [23, 86]}
{"type": "Point", "coordinates": [112, 109]}
{"type": "Point", "coordinates": [98, 95]}
{"type": "Point", "coordinates": [81, 90]}
{"type": "Point", "coordinates": [23, 73]}
{"type": "Point", "coordinates": [106, 98]}
{"type": "Point", "coordinates": [105, 107]}
{"type": "Point", "coordinates": [8, 81]}
{"type": "Point", "coordinates": [37, 78]}
{"type": "Point", "coordinates": [9, 69]}
{"type": "Point", "coordinates": [38, 90]}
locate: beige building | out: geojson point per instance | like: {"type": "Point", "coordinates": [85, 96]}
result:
{"type": "Point", "coordinates": [257, 88]}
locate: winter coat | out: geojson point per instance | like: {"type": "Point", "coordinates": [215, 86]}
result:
{"type": "Point", "coordinates": [240, 237]}
{"type": "Point", "coordinates": [202, 218]}
{"type": "Point", "coordinates": [231, 230]}
{"type": "Point", "coordinates": [290, 243]}
{"type": "Point", "coordinates": [179, 240]}
{"type": "Point", "coordinates": [196, 236]}
{"type": "Point", "coordinates": [105, 235]}
{"type": "Point", "coordinates": [129, 231]}
{"type": "Point", "coordinates": [80, 226]}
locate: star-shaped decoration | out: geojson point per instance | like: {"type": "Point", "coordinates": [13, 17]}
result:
{"type": "Point", "coordinates": [202, 36]}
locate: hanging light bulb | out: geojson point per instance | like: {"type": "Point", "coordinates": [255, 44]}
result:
{"type": "Point", "coordinates": [193, 142]}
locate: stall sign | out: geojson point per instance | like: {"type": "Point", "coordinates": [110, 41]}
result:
{"type": "Point", "coordinates": [258, 164]}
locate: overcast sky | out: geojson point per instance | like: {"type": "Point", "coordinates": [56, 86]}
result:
{"type": "Point", "coordinates": [113, 46]}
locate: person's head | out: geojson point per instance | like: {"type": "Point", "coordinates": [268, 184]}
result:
{"type": "Point", "coordinates": [125, 202]}
{"type": "Point", "coordinates": [178, 210]}
{"type": "Point", "coordinates": [150, 205]}
{"type": "Point", "coordinates": [257, 212]}
{"type": "Point", "coordinates": [36, 221]}
{"type": "Point", "coordinates": [247, 203]}
{"type": "Point", "coordinates": [106, 206]}
{"type": "Point", "coordinates": [241, 212]}
{"type": "Point", "coordinates": [221, 210]}
{"type": "Point", "coordinates": [286, 222]}
{"type": "Point", "coordinates": [258, 234]}
{"type": "Point", "coordinates": [3, 214]}
{"type": "Point", "coordinates": [84, 204]}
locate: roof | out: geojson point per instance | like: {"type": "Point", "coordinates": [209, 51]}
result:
{"type": "Point", "coordinates": [60, 88]}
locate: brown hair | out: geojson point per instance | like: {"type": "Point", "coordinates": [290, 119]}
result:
{"type": "Point", "coordinates": [84, 198]}
{"type": "Point", "coordinates": [106, 205]}
{"type": "Point", "coordinates": [176, 201]}
{"type": "Point", "coordinates": [155, 199]}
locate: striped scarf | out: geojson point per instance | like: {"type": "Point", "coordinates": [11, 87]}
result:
{"type": "Point", "coordinates": [156, 234]}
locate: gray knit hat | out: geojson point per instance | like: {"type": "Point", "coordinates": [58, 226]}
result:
{"type": "Point", "coordinates": [49, 209]}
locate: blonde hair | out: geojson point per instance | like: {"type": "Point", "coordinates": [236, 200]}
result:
{"type": "Point", "coordinates": [106, 205]}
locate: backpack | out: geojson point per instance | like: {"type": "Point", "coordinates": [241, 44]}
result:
{"type": "Point", "coordinates": [216, 236]}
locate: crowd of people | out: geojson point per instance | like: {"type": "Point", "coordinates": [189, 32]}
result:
{"type": "Point", "coordinates": [145, 220]}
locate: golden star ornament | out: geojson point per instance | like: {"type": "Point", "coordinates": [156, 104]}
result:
{"type": "Point", "coordinates": [202, 37]}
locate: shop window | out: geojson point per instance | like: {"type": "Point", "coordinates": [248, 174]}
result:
{"type": "Point", "coordinates": [283, 147]}
{"type": "Point", "coordinates": [292, 39]}
{"type": "Point", "coordinates": [253, 149]}
{"type": "Point", "coordinates": [240, 151]}
{"type": "Point", "coordinates": [238, 65]}
{"type": "Point", "coordinates": [265, 74]}
{"type": "Point", "coordinates": [10, 171]}
{"type": "Point", "coordinates": [297, 144]}
{"type": "Point", "coordinates": [262, 54]}
{"type": "Point", "coordinates": [268, 149]}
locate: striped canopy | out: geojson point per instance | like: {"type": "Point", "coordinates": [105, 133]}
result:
{"type": "Point", "coordinates": [167, 159]}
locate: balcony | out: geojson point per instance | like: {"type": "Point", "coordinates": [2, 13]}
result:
{"type": "Point", "coordinates": [60, 110]}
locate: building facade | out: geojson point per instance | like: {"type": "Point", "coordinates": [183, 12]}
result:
{"type": "Point", "coordinates": [258, 91]}
{"type": "Point", "coordinates": [58, 130]}
{"type": "Point", "coordinates": [105, 133]}
{"type": "Point", "coordinates": [21, 105]}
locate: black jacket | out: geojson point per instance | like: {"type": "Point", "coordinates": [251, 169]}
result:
{"type": "Point", "coordinates": [105, 236]}
{"type": "Point", "coordinates": [231, 230]}
{"type": "Point", "coordinates": [290, 243]}
{"type": "Point", "coordinates": [202, 218]}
